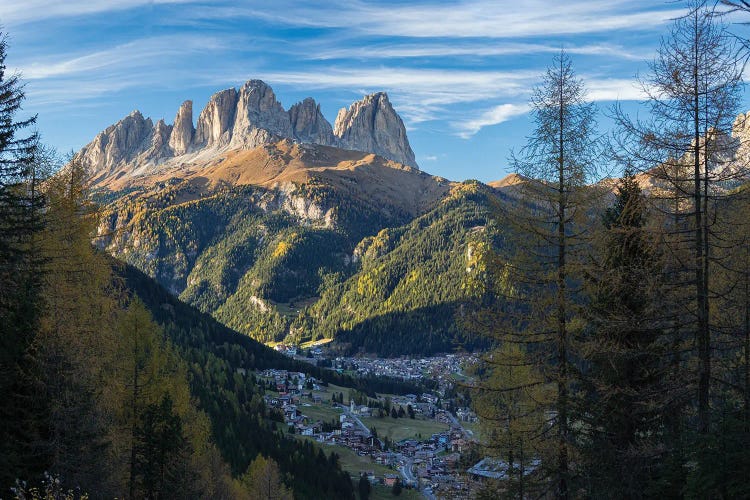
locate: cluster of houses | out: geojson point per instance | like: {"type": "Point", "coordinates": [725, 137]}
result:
{"type": "Point", "coordinates": [432, 462]}
{"type": "Point", "coordinates": [438, 368]}
{"type": "Point", "coordinates": [288, 349]}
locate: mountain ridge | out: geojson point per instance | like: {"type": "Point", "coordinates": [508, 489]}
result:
{"type": "Point", "coordinates": [242, 120]}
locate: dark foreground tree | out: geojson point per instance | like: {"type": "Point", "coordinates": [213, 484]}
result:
{"type": "Point", "coordinates": [624, 349]}
{"type": "Point", "coordinates": [364, 487]}
{"type": "Point", "coordinates": [20, 282]}
{"type": "Point", "coordinates": [693, 93]}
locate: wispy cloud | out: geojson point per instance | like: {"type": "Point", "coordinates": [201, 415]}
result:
{"type": "Point", "coordinates": [493, 116]}
{"type": "Point", "coordinates": [613, 89]}
{"type": "Point", "coordinates": [25, 11]}
{"type": "Point", "coordinates": [419, 94]}
{"type": "Point", "coordinates": [143, 64]}
{"type": "Point", "coordinates": [468, 18]}
{"type": "Point", "coordinates": [476, 48]}
{"type": "Point", "coordinates": [146, 52]}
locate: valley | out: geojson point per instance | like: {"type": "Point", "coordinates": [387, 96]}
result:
{"type": "Point", "coordinates": [219, 295]}
{"type": "Point", "coordinates": [419, 437]}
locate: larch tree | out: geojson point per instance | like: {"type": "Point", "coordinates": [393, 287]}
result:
{"type": "Point", "coordinates": [262, 480]}
{"type": "Point", "coordinates": [531, 374]}
{"type": "Point", "coordinates": [688, 154]}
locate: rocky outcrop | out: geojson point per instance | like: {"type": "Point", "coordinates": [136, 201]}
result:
{"type": "Point", "coordinates": [182, 134]}
{"type": "Point", "coordinates": [119, 143]}
{"type": "Point", "coordinates": [260, 118]}
{"type": "Point", "coordinates": [373, 125]}
{"type": "Point", "coordinates": [159, 147]}
{"type": "Point", "coordinates": [309, 124]}
{"type": "Point", "coordinates": [216, 120]}
{"type": "Point", "coordinates": [244, 119]}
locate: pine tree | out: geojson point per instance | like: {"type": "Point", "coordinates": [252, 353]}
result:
{"type": "Point", "coordinates": [364, 487]}
{"type": "Point", "coordinates": [20, 281]}
{"type": "Point", "coordinates": [162, 451]}
{"type": "Point", "coordinates": [624, 346]}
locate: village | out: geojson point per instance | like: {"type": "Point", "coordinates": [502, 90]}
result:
{"type": "Point", "coordinates": [419, 440]}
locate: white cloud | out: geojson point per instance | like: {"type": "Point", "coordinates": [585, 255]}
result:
{"type": "Point", "coordinates": [146, 52]}
{"type": "Point", "coordinates": [475, 48]}
{"type": "Point", "coordinates": [419, 95]}
{"type": "Point", "coordinates": [14, 12]}
{"type": "Point", "coordinates": [468, 18]}
{"type": "Point", "coordinates": [612, 89]}
{"type": "Point", "coordinates": [493, 116]}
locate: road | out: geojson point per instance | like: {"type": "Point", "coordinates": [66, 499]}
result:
{"type": "Point", "coordinates": [355, 418]}
{"type": "Point", "coordinates": [458, 424]}
{"type": "Point", "coordinates": [407, 470]}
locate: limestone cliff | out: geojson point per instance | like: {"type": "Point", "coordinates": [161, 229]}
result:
{"type": "Point", "coordinates": [373, 125]}
{"type": "Point", "coordinates": [242, 120]}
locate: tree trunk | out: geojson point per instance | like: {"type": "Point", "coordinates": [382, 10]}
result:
{"type": "Point", "coordinates": [562, 381]}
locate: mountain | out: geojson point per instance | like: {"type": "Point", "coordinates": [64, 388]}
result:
{"type": "Point", "coordinates": [273, 221]}
{"type": "Point", "coordinates": [249, 237]}
{"type": "Point", "coordinates": [241, 120]}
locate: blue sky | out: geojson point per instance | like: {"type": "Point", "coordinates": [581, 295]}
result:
{"type": "Point", "coordinates": [459, 73]}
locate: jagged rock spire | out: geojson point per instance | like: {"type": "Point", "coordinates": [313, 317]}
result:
{"type": "Point", "coordinates": [245, 119]}
{"type": "Point", "coordinates": [373, 125]}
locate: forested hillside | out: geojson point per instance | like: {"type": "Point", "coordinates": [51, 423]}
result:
{"type": "Point", "coordinates": [244, 254]}
{"type": "Point", "coordinates": [408, 293]}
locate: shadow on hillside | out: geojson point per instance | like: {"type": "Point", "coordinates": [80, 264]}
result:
{"type": "Point", "coordinates": [420, 332]}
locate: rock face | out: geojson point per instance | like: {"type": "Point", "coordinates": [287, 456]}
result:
{"type": "Point", "coordinates": [216, 120]}
{"type": "Point", "coordinates": [182, 130]}
{"type": "Point", "coordinates": [309, 124]}
{"type": "Point", "coordinates": [119, 143]}
{"type": "Point", "coordinates": [160, 138]}
{"type": "Point", "coordinates": [260, 118]}
{"type": "Point", "coordinates": [373, 125]}
{"type": "Point", "coordinates": [245, 119]}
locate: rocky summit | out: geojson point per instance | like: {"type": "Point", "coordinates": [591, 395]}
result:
{"type": "Point", "coordinates": [373, 125]}
{"type": "Point", "coordinates": [243, 120]}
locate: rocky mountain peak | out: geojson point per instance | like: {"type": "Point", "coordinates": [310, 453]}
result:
{"type": "Point", "coordinates": [182, 131]}
{"type": "Point", "coordinates": [215, 121]}
{"type": "Point", "coordinates": [160, 139]}
{"type": "Point", "coordinates": [373, 125]}
{"type": "Point", "coordinates": [118, 143]}
{"type": "Point", "coordinates": [244, 119]}
{"type": "Point", "coordinates": [309, 124]}
{"type": "Point", "coordinates": [260, 118]}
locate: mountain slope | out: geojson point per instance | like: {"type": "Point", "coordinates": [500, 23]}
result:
{"type": "Point", "coordinates": [259, 228]}
{"type": "Point", "coordinates": [407, 293]}
{"type": "Point", "coordinates": [219, 363]}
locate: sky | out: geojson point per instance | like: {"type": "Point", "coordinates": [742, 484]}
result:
{"type": "Point", "coordinates": [459, 73]}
